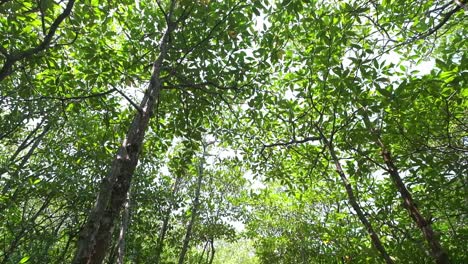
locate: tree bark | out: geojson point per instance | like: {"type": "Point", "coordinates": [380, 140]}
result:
{"type": "Point", "coordinates": [354, 203]}
{"type": "Point", "coordinates": [123, 230]}
{"type": "Point", "coordinates": [436, 250]}
{"type": "Point", "coordinates": [195, 206]}
{"type": "Point", "coordinates": [212, 251]}
{"type": "Point", "coordinates": [165, 225]}
{"type": "Point", "coordinates": [95, 236]}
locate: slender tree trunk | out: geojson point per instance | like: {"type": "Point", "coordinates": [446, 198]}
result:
{"type": "Point", "coordinates": [212, 251]}
{"type": "Point", "coordinates": [200, 259]}
{"type": "Point", "coordinates": [123, 230]}
{"type": "Point", "coordinates": [95, 236]}
{"type": "Point", "coordinates": [436, 250]}
{"type": "Point", "coordinates": [24, 160]}
{"type": "Point", "coordinates": [161, 237]}
{"type": "Point", "coordinates": [195, 206]}
{"type": "Point", "coordinates": [165, 224]}
{"type": "Point", "coordinates": [354, 203]}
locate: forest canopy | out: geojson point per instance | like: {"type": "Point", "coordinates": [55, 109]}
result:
{"type": "Point", "coordinates": [253, 131]}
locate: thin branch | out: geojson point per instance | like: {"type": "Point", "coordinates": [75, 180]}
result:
{"type": "Point", "coordinates": [72, 97]}
{"type": "Point", "coordinates": [128, 99]}
{"type": "Point", "coordinates": [53, 28]}
{"type": "Point", "coordinates": [201, 86]}
{"type": "Point", "coordinates": [158, 2]}
{"type": "Point", "coordinates": [70, 42]}
{"type": "Point", "coordinates": [11, 59]}
{"type": "Point", "coordinates": [291, 142]}
{"type": "Point", "coordinates": [442, 23]}
{"type": "Point", "coordinates": [185, 13]}
{"type": "Point", "coordinates": [433, 30]}
{"type": "Point", "coordinates": [428, 12]}
{"type": "Point", "coordinates": [27, 141]}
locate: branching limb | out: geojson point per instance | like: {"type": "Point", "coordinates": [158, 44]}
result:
{"type": "Point", "coordinates": [128, 99]}
{"type": "Point", "coordinates": [158, 2]}
{"type": "Point", "coordinates": [291, 142]}
{"type": "Point", "coordinates": [12, 58]}
{"type": "Point", "coordinates": [70, 98]}
{"type": "Point", "coordinates": [431, 31]}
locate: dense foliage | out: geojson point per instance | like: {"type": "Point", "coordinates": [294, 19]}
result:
{"type": "Point", "coordinates": [249, 131]}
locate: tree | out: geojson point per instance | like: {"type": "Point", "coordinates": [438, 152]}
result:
{"type": "Point", "coordinates": [348, 119]}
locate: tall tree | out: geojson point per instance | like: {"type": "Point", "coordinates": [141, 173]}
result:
{"type": "Point", "coordinates": [194, 210]}
{"type": "Point", "coordinates": [347, 118]}
{"type": "Point", "coordinates": [95, 236]}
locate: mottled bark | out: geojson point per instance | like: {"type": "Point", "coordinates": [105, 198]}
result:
{"type": "Point", "coordinates": [436, 250]}
{"type": "Point", "coordinates": [123, 231]}
{"type": "Point", "coordinates": [94, 239]}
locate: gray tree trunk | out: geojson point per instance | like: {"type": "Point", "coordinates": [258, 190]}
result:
{"type": "Point", "coordinates": [123, 230]}
{"type": "Point", "coordinates": [94, 240]}
{"type": "Point", "coordinates": [165, 225]}
{"type": "Point", "coordinates": [196, 204]}
{"type": "Point", "coordinates": [354, 203]}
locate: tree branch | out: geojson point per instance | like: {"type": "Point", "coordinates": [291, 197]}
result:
{"type": "Point", "coordinates": [128, 99]}
{"type": "Point", "coordinates": [72, 97]}
{"type": "Point", "coordinates": [292, 142]}
{"type": "Point", "coordinates": [158, 2]}
{"type": "Point", "coordinates": [11, 59]}
{"type": "Point", "coordinates": [431, 31]}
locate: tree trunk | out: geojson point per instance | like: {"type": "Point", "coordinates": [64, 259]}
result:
{"type": "Point", "coordinates": [161, 237]}
{"type": "Point", "coordinates": [165, 225]}
{"type": "Point", "coordinates": [354, 203]}
{"type": "Point", "coordinates": [195, 206]}
{"type": "Point", "coordinates": [95, 236]}
{"type": "Point", "coordinates": [200, 259]}
{"type": "Point", "coordinates": [123, 231]}
{"type": "Point", "coordinates": [212, 251]}
{"type": "Point", "coordinates": [436, 250]}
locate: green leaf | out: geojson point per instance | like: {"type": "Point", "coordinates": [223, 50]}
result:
{"type": "Point", "coordinates": [385, 92]}
{"type": "Point", "coordinates": [448, 76]}
{"type": "Point", "coordinates": [24, 260]}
